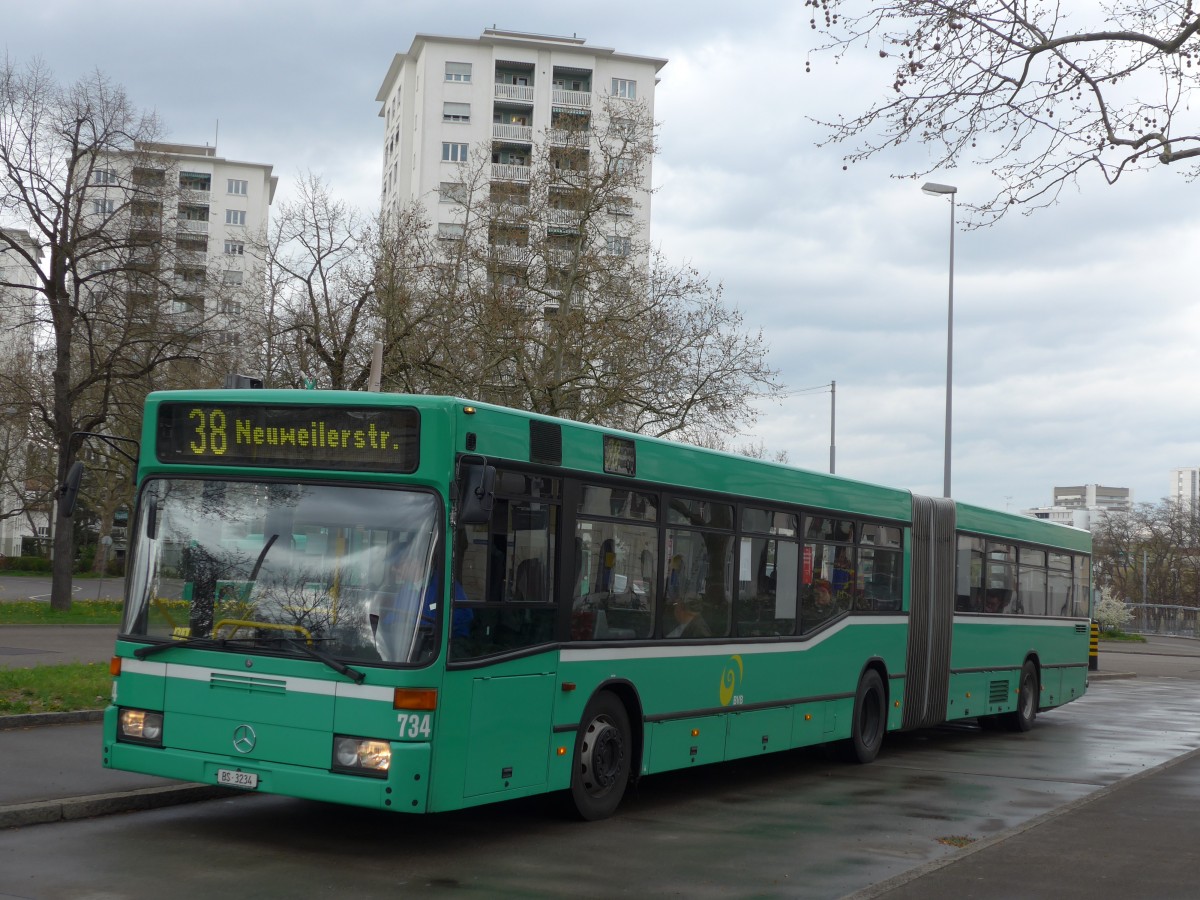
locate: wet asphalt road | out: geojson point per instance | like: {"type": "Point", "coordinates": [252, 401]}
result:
{"type": "Point", "coordinates": [790, 825]}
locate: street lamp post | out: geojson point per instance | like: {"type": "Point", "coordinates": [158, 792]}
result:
{"type": "Point", "coordinates": [832, 419]}
{"type": "Point", "coordinates": [935, 189]}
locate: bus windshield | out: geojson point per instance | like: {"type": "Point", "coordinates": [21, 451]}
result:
{"type": "Point", "coordinates": [287, 567]}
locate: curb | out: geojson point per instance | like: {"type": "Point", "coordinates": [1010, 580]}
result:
{"type": "Point", "coordinates": [33, 720]}
{"type": "Point", "coordinates": [1109, 676]}
{"type": "Point", "coordinates": [45, 811]}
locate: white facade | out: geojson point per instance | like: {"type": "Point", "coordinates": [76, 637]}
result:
{"type": "Point", "coordinates": [1083, 506]}
{"type": "Point", "coordinates": [17, 308]}
{"type": "Point", "coordinates": [223, 210]}
{"type": "Point", "coordinates": [447, 97]}
{"type": "Point", "coordinates": [1093, 495]}
{"type": "Point", "coordinates": [1185, 486]}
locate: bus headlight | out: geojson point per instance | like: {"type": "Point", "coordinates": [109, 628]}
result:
{"type": "Point", "coordinates": [361, 756]}
{"type": "Point", "coordinates": [140, 726]}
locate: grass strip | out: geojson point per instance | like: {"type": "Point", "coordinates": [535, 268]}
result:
{"type": "Point", "coordinates": [82, 612]}
{"type": "Point", "coordinates": [44, 689]}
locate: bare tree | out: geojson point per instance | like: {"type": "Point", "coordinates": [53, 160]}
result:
{"type": "Point", "coordinates": [1039, 92]}
{"type": "Point", "coordinates": [1153, 545]}
{"type": "Point", "coordinates": [544, 293]}
{"type": "Point", "coordinates": [114, 297]}
{"type": "Point", "coordinates": [320, 292]}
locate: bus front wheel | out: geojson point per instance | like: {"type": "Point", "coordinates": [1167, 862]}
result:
{"type": "Point", "coordinates": [602, 758]}
{"type": "Point", "coordinates": [1021, 719]}
{"type": "Point", "coordinates": [870, 718]}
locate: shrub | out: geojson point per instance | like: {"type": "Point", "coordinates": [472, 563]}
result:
{"type": "Point", "coordinates": [24, 564]}
{"type": "Point", "coordinates": [1112, 613]}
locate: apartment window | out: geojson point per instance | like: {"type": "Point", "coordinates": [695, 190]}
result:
{"type": "Point", "coordinates": [104, 207]}
{"type": "Point", "coordinates": [237, 186]}
{"type": "Point", "coordinates": [458, 71]}
{"type": "Point", "coordinates": [235, 217]}
{"type": "Point", "coordinates": [232, 276]}
{"type": "Point", "coordinates": [619, 246]}
{"type": "Point", "coordinates": [456, 112]}
{"type": "Point", "coordinates": [452, 192]}
{"type": "Point", "coordinates": [454, 152]}
{"type": "Point", "coordinates": [451, 231]}
{"type": "Point", "coordinates": [104, 176]}
{"type": "Point", "coordinates": [235, 248]}
{"type": "Point", "coordinates": [195, 181]}
{"type": "Point", "coordinates": [620, 206]}
{"type": "Point", "coordinates": [624, 88]}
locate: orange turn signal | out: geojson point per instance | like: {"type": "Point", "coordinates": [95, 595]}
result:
{"type": "Point", "coordinates": [415, 698]}
{"type": "Point", "coordinates": [114, 666]}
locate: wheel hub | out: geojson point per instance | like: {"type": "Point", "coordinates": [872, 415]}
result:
{"type": "Point", "coordinates": [602, 756]}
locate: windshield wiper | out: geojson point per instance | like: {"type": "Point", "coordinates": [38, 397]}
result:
{"type": "Point", "coordinates": [341, 668]}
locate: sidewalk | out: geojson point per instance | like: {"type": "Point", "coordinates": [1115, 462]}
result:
{"type": "Point", "coordinates": [54, 772]}
{"type": "Point", "coordinates": [1135, 838]}
{"type": "Point", "coordinates": [53, 763]}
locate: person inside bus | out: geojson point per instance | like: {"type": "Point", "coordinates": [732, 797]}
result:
{"type": "Point", "coordinates": [818, 606]}
{"type": "Point", "coordinates": [405, 591]}
{"type": "Point", "coordinates": [688, 621]}
{"type": "Point", "coordinates": [993, 601]}
{"type": "Point", "coordinates": [402, 588]}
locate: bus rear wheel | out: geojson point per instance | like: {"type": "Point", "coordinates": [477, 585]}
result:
{"type": "Point", "coordinates": [602, 758]}
{"type": "Point", "coordinates": [870, 718]}
{"type": "Point", "coordinates": [1021, 719]}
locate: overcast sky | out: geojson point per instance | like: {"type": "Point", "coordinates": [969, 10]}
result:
{"type": "Point", "coordinates": [1075, 328]}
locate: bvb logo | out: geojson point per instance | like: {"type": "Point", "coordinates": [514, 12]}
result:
{"type": "Point", "coordinates": [731, 680]}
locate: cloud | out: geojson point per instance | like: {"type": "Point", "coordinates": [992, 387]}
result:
{"type": "Point", "coordinates": [1075, 327]}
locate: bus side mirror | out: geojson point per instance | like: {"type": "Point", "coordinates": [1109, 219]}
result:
{"type": "Point", "coordinates": [152, 517]}
{"type": "Point", "coordinates": [68, 492]}
{"type": "Point", "coordinates": [478, 494]}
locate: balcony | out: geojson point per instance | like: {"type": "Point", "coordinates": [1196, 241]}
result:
{"type": "Point", "coordinates": [509, 172]}
{"type": "Point", "coordinates": [573, 99]}
{"type": "Point", "coordinates": [507, 211]}
{"type": "Point", "coordinates": [564, 218]}
{"type": "Point", "coordinates": [505, 132]}
{"type": "Point", "coordinates": [522, 93]}
{"type": "Point", "coordinates": [569, 137]}
{"type": "Point", "coordinates": [192, 226]}
{"type": "Point", "coordinates": [510, 254]}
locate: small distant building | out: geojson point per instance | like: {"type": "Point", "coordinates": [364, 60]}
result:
{"type": "Point", "coordinates": [1082, 506]}
{"type": "Point", "coordinates": [1185, 486]}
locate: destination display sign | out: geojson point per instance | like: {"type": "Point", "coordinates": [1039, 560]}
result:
{"type": "Point", "coordinates": [361, 439]}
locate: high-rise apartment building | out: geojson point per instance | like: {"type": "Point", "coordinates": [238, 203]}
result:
{"type": "Point", "coordinates": [449, 101]}
{"type": "Point", "coordinates": [17, 278]}
{"type": "Point", "coordinates": [217, 213]}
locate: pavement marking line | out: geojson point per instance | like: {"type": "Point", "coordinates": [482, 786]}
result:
{"type": "Point", "coordinates": [882, 887]}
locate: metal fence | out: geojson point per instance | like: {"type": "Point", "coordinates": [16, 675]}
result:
{"type": "Point", "coordinates": [1161, 618]}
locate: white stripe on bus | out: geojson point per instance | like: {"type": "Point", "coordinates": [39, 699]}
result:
{"type": "Point", "coordinates": [290, 683]}
{"type": "Point", "coordinates": [576, 653]}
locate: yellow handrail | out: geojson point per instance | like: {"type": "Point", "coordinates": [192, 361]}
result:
{"type": "Point", "coordinates": [269, 626]}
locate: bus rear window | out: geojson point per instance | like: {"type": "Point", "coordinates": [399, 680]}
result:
{"type": "Point", "coordinates": [291, 437]}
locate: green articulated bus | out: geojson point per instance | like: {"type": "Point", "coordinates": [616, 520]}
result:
{"type": "Point", "coordinates": [421, 604]}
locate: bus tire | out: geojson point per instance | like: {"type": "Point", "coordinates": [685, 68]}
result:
{"type": "Point", "coordinates": [603, 750]}
{"type": "Point", "coordinates": [870, 718]}
{"type": "Point", "coordinates": [1021, 719]}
